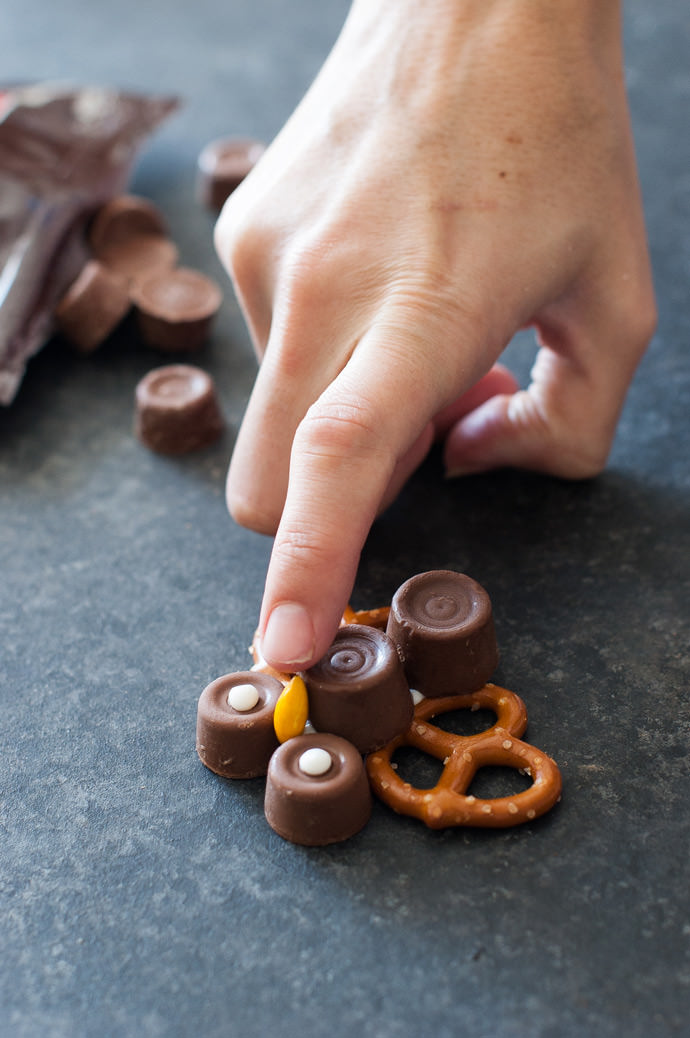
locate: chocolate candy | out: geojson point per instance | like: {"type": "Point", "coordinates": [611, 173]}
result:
{"type": "Point", "coordinates": [175, 309]}
{"type": "Point", "coordinates": [358, 689]}
{"type": "Point", "coordinates": [443, 626]}
{"type": "Point", "coordinates": [234, 728]}
{"type": "Point", "coordinates": [137, 258]}
{"type": "Point", "coordinates": [223, 165]}
{"type": "Point", "coordinates": [92, 307]}
{"type": "Point", "coordinates": [129, 236]}
{"type": "Point", "coordinates": [317, 790]}
{"type": "Point", "coordinates": [177, 409]}
{"type": "Point", "coordinates": [124, 218]}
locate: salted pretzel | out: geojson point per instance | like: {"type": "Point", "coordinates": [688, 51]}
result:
{"type": "Point", "coordinates": [448, 802]}
{"type": "Point", "coordinates": [370, 617]}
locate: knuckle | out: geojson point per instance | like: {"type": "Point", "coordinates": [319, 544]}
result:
{"type": "Point", "coordinates": [564, 444]}
{"type": "Point", "coordinates": [333, 429]}
{"type": "Point", "coordinates": [645, 320]}
{"type": "Point", "coordinates": [636, 315]}
{"type": "Point", "coordinates": [248, 513]}
{"type": "Point", "coordinates": [577, 453]}
{"type": "Point", "coordinates": [307, 278]}
{"type": "Point", "coordinates": [241, 245]}
{"type": "Point", "coordinates": [298, 547]}
{"type": "Point", "coordinates": [581, 461]}
{"type": "Point", "coordinates": [289, 357]}
{"type": "Point", "coordinates": [435, 312]}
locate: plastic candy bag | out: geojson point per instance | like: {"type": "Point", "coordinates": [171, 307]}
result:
{"type": "Point", "coordinates": [64, 151]}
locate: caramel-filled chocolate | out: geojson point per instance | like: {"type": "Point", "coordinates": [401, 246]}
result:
{"type": "Point", "coordinates": [237, 743]}
{"type": "Point", "coordinates": [177, 409]}
{"type": "Point", "coordinates": [175, 309]}
{"type": "Point", "coordinates": [129, 236]}
{"type": "Point", "coordinates": [122, 218]}
{"type": "Point", "coordinates": [222, 166]}
{"type": "Point", "coordinates": [358, 689]}
{"type": "Point", "coordinates": [313, 806]}
{"type": "Point", "coordinates": [139, 257]}
{"type": "Point", "coordinates": [92, 307]}
{"type": "Point", "coordinates": [442, 624]}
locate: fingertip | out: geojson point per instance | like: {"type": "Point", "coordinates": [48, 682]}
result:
{"type": "Point", "coordinates": [293, 636]}
{"type": "Point", "coordinates": [288, 641]}
{"type": "Point", "coordinates": [246, 511]}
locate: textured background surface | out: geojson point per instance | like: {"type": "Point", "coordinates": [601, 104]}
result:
{"type": "Point", "coordinates": [140, 894]}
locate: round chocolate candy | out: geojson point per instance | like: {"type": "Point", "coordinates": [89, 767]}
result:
{"type": "Point", "coordinates": [138, 258]}
{"type": "Point", "coordinates": [92, 307]}
{"type": "Point", "coordinates": [315, 798]}
{"type": "Point", "coordinates": [234, 727]}
{"type": "Point", "coordinates": [177, 410]}
{"type": "Point", "coordinates": [129, 236]}
{"type": "Point", "coordinates": [123, 218]}
{"type": "Point", "coordinates": [222, 166]}
{"type": "Point", "coordinates": [358, 689]}
{"type": "Point", "coordinates": [443, 626]}
{"type": "Point", "coordinates": [175, 309]}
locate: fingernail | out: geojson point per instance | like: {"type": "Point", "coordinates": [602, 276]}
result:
{"type": "Point", "coordinates": [289, 635]}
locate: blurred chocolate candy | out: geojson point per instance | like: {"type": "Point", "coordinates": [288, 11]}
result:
{"type": "Point", "coordinates": [175, 309]}
{"type": "Point", "coordinates": [92, 307]}
{"type": "Point", "coordinates": [222, 166]}
{"type": "Point", "coordinates": [129, 235]}
{"type": "Point", "coordinates": [177, 410]}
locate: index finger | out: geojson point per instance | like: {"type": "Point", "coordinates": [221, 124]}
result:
{"type": "Point", "coordinates": [343, 456]}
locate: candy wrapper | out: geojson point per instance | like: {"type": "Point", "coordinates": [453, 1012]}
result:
{"type": "Point", "coordinates": [64, 151]}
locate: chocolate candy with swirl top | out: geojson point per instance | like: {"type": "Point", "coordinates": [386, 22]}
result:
{"type": "Point", "coordinates": [358, 690]}
{"type": "Point", "coordinates": [442, 624]}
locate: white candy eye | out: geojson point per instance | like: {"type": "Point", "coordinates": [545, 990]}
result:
{"type": "Point", "coordinates": [315, 761]}
{"type": "Point", "coordinates": [417, 697]}
{"type": "Point", "coordinates": [243, 698]}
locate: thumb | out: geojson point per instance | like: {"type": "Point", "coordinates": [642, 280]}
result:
{"type": "Point", "coordinates": [563, 424]}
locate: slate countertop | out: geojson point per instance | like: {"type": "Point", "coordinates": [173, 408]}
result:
{"type": "Point", "coordinates": [140, 894]}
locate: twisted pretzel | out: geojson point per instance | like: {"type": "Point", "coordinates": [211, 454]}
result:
{"type": "Point", "coordinates": [370, 617]}
{"type": "Point", "coordinates": [448, 803]}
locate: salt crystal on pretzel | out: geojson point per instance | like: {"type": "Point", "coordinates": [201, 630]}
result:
{"type": "Point", "coordinates": [448, 803]}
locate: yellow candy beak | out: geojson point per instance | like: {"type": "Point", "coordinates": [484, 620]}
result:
{"type": "Point", "coordinates": [291, 710]}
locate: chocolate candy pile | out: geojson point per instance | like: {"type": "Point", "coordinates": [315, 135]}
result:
{"type": "Point", "coordinates": [134, 263]}
{"type": "Point", "coordinates": [373, 692]}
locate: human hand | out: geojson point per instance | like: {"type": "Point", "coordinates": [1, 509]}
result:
{"type": "Point", "coordinates": [456, 172]}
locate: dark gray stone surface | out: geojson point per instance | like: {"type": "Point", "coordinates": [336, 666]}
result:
{"type": "Point", "coordinates": [142, 896]}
